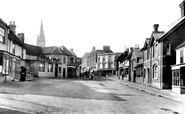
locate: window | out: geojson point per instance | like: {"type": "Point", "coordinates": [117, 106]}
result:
{"type": "Point", "coordinates": [148, 52]}
{"type": "Point", "coordinates": [109, 65]}
{"type": "Point", "coordinates": [98, 58]}
{"type": "Point", "coordinates": [168, 49]}
{"type": "Point", "coordinates": [64, 60]}
{"type": "Point", "coordinates": [103, 58]}
{"type": "Point", "coordinates": [182, 56]}
{"type": "Point", "coordinates": [2, 34]}
{"type": "Point", "coordinates": [41, 67]}
{"type": "Point", "coordinates": [155, 50]}
{"type": "Point", "coordinates": [50, 67]}
{"type": "Point", "coordinates": [22, 54]}
{"type": "Point", "coordinates": [13, 48]}
{"type": "Point", "coordinates": [103, 65]}
{"type": "Point", "coordinates": [60, 70]}
{"type": "Point", "coordinates": [155, 72]}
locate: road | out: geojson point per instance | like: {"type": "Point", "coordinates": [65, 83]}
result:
{"type": "Point", "coordinates": [78, 96]}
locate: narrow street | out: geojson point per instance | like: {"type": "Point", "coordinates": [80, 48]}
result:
{"type": "Point", "coordinates": [82, 96]}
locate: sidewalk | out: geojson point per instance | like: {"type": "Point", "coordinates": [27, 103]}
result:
{"type": "Point", "coordinates": [154, 91]}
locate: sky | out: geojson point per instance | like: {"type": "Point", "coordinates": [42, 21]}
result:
{"type": "Point", "coordinates": [82, 24]}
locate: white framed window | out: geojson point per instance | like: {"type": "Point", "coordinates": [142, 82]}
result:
{"type": "Point", "coordinates": [50, 67]}
{"type": "Point", "coordinates": [42, 67]}
{"type": "Point", "coordinates": [155, 72]}
{"type": "Point", "coordinates": [13, 48]}
{"type": "Point", "coordinates": [64, 60]}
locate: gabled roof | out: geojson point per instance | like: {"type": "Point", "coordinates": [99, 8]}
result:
{"type": "Point", "coordinates": [181, 45]}
{"type": "Point", "coordinates": [52, 50]}
{"type": "Point", "coordinates": [15, 39]}
{"type": "Point", "coordinates": [137, 54]}
{"type": "Point", "coordinates": [172, 27]}
{"type": "Point", "coordinates": [122, 57]}
{"type": "Point", "coordinates": [4, 23]}
{"type": "Point", "coordinates": [34, 50]}
{"type": "Point", "coordinates": [147, 40]}
{"type": "Point", "coordinates": [66, 51]}
{"type": "Point", "coordinates": [155, 36]}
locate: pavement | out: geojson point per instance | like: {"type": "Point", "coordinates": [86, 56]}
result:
{"type": "Point", "coordinates": [151, 90]}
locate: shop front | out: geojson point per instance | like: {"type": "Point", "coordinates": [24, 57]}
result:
{"type": "Point", "coordinates": [9, 66]}
{"type": "Point", "coordinates": [178, 79]}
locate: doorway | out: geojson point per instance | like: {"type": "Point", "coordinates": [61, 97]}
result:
{"type": "Point", "coordinates": [64, 72]}
{"type": "Point", "coordinates": [56, 70]}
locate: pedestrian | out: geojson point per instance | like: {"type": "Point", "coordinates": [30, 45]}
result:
{"type": "Point", "coordinates": [122, 75]}
{"type": "Point", "coordinates": [23, 74]}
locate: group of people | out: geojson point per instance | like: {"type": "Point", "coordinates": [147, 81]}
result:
{"type": "Point", "coordinates": [86, 74]}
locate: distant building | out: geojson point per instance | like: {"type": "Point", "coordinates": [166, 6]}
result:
{"type": "Point", "coordinates": [41, 38]}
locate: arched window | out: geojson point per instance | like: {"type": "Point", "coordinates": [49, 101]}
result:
{"type": "Point", "coordinates": [155, 72]}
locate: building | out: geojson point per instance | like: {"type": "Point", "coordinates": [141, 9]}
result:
{"type": "Point", "coordinates": [12, 52]}
{"type": "Point", "coordinates": [58, 64]}
{"type": "Point", "coordinates": [178, 70]}
{"type": "Point", "coordinates": [71, 61]}
{"type": "Point", "coordinates": [41, 38]}
{"type": "Point", "coordinates": [106, 63]}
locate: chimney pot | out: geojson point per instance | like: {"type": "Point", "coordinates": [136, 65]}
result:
{"type": "Point", "coordinates": [155, 26]}
{"type": "Point", "coordinates": [12, 27]}
{"type": "Point", "coordinates": [181, 5]}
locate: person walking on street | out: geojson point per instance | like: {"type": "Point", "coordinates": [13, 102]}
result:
{"type": "Point", "coordinates": [23, 74]}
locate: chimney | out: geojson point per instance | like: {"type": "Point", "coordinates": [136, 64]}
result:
{"type": "Point", "coordinates": [155, 26]}
{"type": "Point", "coordinates": [94, 48]}
{"type": "Point", "coordinates": [136, 47]}
{"type": "Point", "coordinates": [21, 37]}
{"type": "Point", "coordinates": [12, 27]}
{"type": "Point", "coordinates": [182, 4]}
{"type": "Point", "coordinates": [71, 50]}
{"type": "Point", "coordinates": [106, 48]}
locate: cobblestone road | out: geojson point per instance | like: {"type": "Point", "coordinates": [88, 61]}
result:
{"type": "Point", "coordinates": [74, 96]}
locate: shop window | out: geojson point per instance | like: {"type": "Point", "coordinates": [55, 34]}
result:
{"type": "Point", "coordinates": [182, 56]}
{"type": "Point", "coordinates": [176, 77]}
{"type": "Point", "coordinates": [2, 34]}
{"type": "Point", "coordinates": [60, 71]}
{"type": "Point", "coordinates": [50, 67]}
{"type": "Point", "coordinates": [155, 72]}
{"type": "Point", "coordinates": [41, 67]}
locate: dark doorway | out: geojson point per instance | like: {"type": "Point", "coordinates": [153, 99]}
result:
{"type": "Point", "coordinates": [64, 72]}
{"type": "Point", "coordinates": [56, 70]}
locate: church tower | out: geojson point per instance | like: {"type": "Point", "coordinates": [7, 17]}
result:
{"type": "Point", "coordinates": [41, 38]}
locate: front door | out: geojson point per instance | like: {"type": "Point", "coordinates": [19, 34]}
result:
{"type": "Point", "coordinates": [64, 72]}
{"type": "Point", "coordinates": [56, 70]}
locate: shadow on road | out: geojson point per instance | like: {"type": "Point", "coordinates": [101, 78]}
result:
{"type": "Point", "coordinates": [9, 111]}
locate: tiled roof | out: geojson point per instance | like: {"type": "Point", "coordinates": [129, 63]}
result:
{"type": "Point", "coordinates": [47, 50]}
{"type": "Point", "coordinates": [52, 50]}
{"type": "Point", "coordinates": [4, 23]}
{"type": "Point", "coordinates": [66, 51]}
{"type": "Point", "coordinates": [172, 27]}
{"type": "Point", "coordinates": [34, 50]}
{"type": "Point", "coordinates": [15, 39]}
{"type": "Point", "coordinates": [181, 45]}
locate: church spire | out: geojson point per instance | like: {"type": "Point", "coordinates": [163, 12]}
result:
{"type": "Point", "coordinates": [41, 37]}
